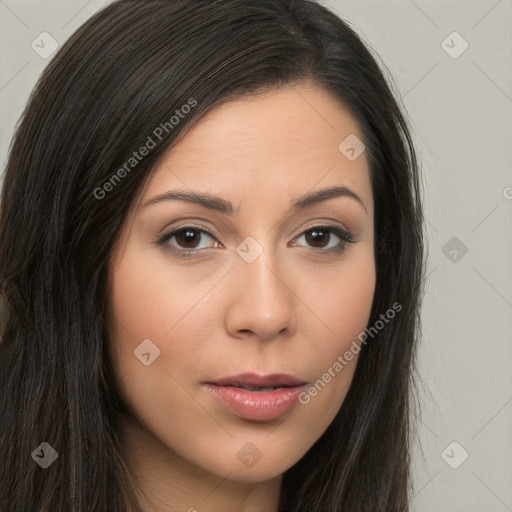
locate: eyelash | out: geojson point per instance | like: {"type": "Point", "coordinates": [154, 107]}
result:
{"type": "Point", "coordinates": [185, 253]}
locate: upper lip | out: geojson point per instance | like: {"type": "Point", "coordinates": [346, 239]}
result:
{"type": "Point", "coordinates": [274, 380]}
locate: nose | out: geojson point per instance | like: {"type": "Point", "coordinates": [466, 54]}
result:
{"type": "Point", "coordinates": [261, 300]}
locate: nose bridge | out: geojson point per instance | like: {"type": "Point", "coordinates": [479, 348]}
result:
{"type": "Point", "coordinates": [261, 272]}
{"type": "Point", "coordinates": [263, 302]}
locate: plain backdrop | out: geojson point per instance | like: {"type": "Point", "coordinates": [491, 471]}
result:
{"type": "Point", "coordinates": [450, 63]}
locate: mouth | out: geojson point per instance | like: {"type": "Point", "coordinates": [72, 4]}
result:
{"type": "Point", "coordinates": [257, 397]}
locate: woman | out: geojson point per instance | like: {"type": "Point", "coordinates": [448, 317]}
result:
{"type": "Point", "coordinates": [268, 370]}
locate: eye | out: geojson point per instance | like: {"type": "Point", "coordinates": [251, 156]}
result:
{"type": "Point", "coordinates": [185, 241]}
{"type": "Point", "coordinates": [323, 238]}
{"type": "Point", "coordinates": [187, 238]}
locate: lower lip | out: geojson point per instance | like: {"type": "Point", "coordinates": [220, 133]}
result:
{"type": "Point", "coordinates": [257, 405]}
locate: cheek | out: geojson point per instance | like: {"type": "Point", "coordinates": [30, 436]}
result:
{"type": "Point", "coordinates": [344, 306]}
{"type": "Point", "coordinates": [354, 302]}
{"type": "Point", "coordinates": [143, 308]}
{"type": "Point", "coordinates": [149, 301]}
{"type": "Point", "coordinates": [172, 317]}
{"type": "Point", "coordinates": [343, 299]}
{"type": "Point", "coordinates": [139, 296]}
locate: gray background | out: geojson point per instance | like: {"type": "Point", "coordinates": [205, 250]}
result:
{"type": "Point", "coordinates": [459, 105]}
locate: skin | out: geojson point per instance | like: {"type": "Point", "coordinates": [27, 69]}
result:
{"type": "Point", "coordinates": [292, 310]}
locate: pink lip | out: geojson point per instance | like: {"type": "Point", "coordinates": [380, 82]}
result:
{"type": "Point", "coordinates": [257, 405]}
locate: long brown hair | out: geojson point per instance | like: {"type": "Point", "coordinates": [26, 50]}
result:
{"type": "Point", "coordinates": [124, 73]}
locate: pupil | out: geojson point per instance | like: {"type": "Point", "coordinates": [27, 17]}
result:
{"type": "Point", "coordinates": [188, 234]}
{"type": "Point", "coordinates": [315, 236]}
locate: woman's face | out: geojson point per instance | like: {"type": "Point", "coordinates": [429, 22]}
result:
{"type": "Point", "coordinates": [267, 300]}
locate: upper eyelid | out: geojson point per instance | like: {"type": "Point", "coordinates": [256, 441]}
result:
{"type": "Point", "coordinates": [204, 230]}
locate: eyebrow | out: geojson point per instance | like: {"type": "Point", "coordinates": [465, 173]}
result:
{"type": "Point", "coordinates": [216, 203]}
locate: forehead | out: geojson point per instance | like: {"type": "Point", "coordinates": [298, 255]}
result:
{"type": "Point", "coordinates": [283, 141]}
